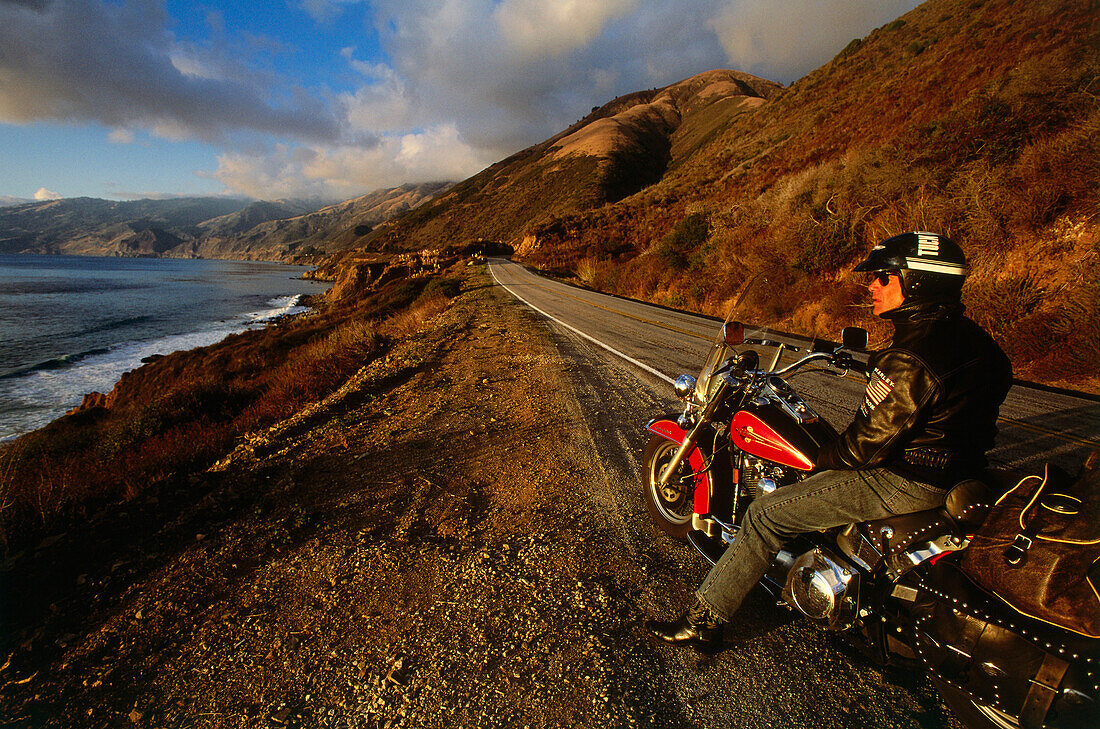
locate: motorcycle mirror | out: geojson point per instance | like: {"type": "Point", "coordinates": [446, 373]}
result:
{"type": "Point", "coordinates": [733, 333]}
{"type": "Point", "coordinates": [854, 338]}
{"type": "Point", "coordinates": [820, 345]}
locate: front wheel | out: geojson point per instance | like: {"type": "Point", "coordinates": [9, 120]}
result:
{"type": "Point", "coordinates": [670, 506]}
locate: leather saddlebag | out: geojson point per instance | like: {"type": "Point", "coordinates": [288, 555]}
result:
{"type": "Point", "coordinates": [1039, 550]}
{"type": "Point", "coordinates": [976, 644]}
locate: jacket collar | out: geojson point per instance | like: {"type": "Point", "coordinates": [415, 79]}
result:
{"type": "Point", "coordinates": [923, 311]}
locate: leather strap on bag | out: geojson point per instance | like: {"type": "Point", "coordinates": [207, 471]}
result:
{"type": "Point", "coordinates": [960, 652]}
{"type": "Point", "coordinates": [1016, 552]}
{"type": "Point", "coordinates": [1043, 691]}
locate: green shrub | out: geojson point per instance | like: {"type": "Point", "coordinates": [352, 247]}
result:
{"type": "Point", "coordinates": [441, 286]}
{"type": "Point", "coordinates": [685, 237]}
{"type": "Point", "coordinates": [854, 44]}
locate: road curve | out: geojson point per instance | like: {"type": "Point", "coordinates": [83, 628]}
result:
{"type": "Point", "coordinates": [1036, 425]}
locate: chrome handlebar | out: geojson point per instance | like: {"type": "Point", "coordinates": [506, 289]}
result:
{"type": "Point", "coordinates": [829, 356]}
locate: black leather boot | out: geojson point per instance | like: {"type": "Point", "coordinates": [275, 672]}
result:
{"type": "Point", "coordinates": [698, 627]}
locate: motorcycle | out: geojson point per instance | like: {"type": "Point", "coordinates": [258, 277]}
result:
{"type": "Point", "coordinates": [892, 586]}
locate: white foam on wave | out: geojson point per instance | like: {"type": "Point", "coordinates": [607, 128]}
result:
{"type": "Point", "coordinates": [31, 401]}
{"type": "Point", "coordinates": [279, 306]}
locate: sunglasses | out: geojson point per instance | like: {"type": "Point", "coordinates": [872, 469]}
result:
{"type": "Point", "coordinates": [883, 277]}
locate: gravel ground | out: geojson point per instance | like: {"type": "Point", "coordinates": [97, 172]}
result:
{"type": "Point", "coordinates": [454, 539]}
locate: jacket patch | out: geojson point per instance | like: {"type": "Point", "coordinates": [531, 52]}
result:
{"type": "Point", "coordinates": [878, 389]}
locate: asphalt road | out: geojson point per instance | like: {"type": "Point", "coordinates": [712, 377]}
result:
{"type": "Point", "coordinates": [777, 671]}
{"type": "Point", "coordinates": [1036, 425]}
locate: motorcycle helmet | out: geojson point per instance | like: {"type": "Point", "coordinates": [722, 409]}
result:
{"type": "Point", "coordinates": [932, 267]}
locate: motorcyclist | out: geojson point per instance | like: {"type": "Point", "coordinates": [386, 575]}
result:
{"type": "Point", "coordinates": [927, 419]}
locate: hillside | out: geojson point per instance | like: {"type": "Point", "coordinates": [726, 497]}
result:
{"type": "Point", "coordinates": [253, 214]}
{"type": "Point", "coordinates": [974, 118]}
{"type": "Point", "coordinates": [302, 237]}
{"type": "Point", "coordinates": [618, 149]}
{"type": "Point", "coordinates": [90, 226]}
{"type": "Point", "coordinates": [211, 227]}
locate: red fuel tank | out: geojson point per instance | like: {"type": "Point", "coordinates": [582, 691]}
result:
{"type": "Point", "coordinates": [754, 435]}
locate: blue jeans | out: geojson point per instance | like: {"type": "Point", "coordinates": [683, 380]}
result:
{"type": "Point", "coordinates": [822, 501]}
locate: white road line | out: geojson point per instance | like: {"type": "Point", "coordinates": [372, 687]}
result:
{"type": "Point", "coordinates": [1003, 418]}
{"type": "Point", "coordinates": [598, 343]}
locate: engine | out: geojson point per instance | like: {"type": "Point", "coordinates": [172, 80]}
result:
{"type": "Point", "coordinates": [759, 477]}
{"type": "Point", "coordinates": [822, 588]}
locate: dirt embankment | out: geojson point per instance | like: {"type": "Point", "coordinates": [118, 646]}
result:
{"type": "Point", "coordinates": [418, 550]}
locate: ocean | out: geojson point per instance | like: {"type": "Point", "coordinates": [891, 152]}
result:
{"type": "Point", "coordinates": [70, 325]}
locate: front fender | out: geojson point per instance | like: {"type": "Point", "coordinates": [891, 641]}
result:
{"type": "Point", "coordinates": [667, 428]}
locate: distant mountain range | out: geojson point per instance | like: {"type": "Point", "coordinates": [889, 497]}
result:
{"type": "Point", "coordinates": [207, 227]}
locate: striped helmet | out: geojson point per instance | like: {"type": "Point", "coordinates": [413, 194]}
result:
{"type": "Point", "coordinates": [932, 267]}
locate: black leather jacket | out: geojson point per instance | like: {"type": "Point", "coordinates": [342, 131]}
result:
{"type": "Point", "coordinates": [930, 411]}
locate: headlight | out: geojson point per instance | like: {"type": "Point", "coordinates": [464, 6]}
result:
{"type": "Point", "coordinates": [684, 386]}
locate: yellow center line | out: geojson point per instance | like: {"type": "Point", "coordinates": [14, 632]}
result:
{"type": "Point", "coordinates": [851, 378]}
{"type": "Point", "coordinates": [1046, 431]}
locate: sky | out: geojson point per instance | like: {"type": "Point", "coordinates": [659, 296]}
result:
{"type": "Point", "coordinates": [330, 99]}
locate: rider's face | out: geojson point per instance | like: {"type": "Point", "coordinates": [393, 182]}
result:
{"type": "Point", "coordinates": [885, 296]}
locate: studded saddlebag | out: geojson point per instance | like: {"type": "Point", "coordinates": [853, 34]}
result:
{"type": "Point", "coordinates": [1025, 668]}
{"type": "Point", "coordinates": [1039, 550]}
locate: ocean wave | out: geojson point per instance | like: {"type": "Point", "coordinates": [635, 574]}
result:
{"type": "Point", "coordinates": [56, 363]}
{"type": "Point", "coordinates": [277, 307]}
{"type": "Point", "coordinates": [32, 397]}
{"type": "Point", "coordinates": [118, 324]}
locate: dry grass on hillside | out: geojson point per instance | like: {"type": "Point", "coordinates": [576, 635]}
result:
{"type": "Point", "coordinates": [964, 118]}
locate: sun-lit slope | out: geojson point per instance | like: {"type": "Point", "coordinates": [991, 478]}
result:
{"type": "Point", "coordinates": [618, 149]}
{"type": "Point", "coordinates": [306, 236]}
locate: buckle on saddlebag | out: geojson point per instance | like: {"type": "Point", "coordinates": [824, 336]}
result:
{"type": "Point", "coordinates": [1017, 551]}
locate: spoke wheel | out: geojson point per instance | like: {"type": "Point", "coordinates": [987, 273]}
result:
{"type": "Point", "coordinates": [670, 506]}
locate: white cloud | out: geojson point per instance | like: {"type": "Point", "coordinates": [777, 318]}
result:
{"type": "Point", "coordinates": [121, 136]}
{"type": "Point", "coordinates": [116, 64]}
{"type": "Point", "coordinates": [44, 194]}
{"type": "Point", "coordinates": [789, 38]}
{"type": "Point", "coordinates": [345, 171]}
{"type": "Point", "coordinates": [383, 104]}
{"type": "Point", "coordinates": [463, 83]}
{"type": "Point", "coordinates": [535, 28]}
